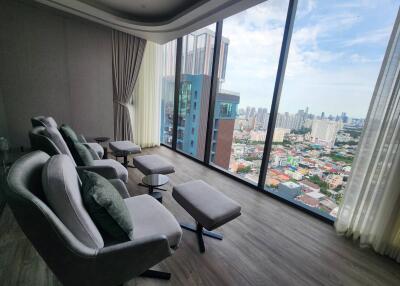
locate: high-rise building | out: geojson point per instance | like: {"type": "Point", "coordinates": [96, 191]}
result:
{"type": "Point", "coordinates": [344, 117]}
{"type": "Point", "coordinates": [192, 114]}
{"type": "Point", "coordinates": [279, 134]}
{"type": "Point", "coordinates": [261, 119]}
{"type": "Point", "coordinates": [324, 132]}
{"type": "Point", "coordinates": [168, 90]}
{"type": "Point", "coordinates": [291, 121]}
{"type": "Point", "coordinates": [167, 108]}
{"type": "Point", "coordinates": [197, 57]}
{"type": "Point", "coordinates": [224, 122]}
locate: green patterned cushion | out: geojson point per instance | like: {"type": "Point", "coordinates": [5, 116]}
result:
{"type": "Point", "coordinates": [69, 132]}
{"type": "Point", "coordinates": [106, 206]}
{"type": "Point", "coordinates": [85, 157]}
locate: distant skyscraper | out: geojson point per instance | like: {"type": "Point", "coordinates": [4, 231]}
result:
{"type": "Point", "coordinates": [261, 119]}
{"type": "Point", "coordinates": [344, 117]}
{"type": "Point", "coordinates": [324, 132]}
{"type": "Point", "coordinates": [248, 111]}
{"type": "Point", "coordinates": [291, 121]}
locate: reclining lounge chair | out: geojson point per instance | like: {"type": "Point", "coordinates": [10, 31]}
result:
{"type": "Point", "coordinates": [42, 121]}
{"type": "Point", "coordinates": [64, 247]}
{"type": "Point", "coordinates": [50, 140]}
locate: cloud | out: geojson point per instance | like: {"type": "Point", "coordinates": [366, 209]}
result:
{"type": "Point", "coordinates": [371, 37]}
{"type": "Point", "coordinates": [357, 58]}
{"type": "Point", "coordinates": [329, 68]}
{"type": "Point", "coordinates": [305, 8]}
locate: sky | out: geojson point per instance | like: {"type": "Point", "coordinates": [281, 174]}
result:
{"type": "Point", "coordinates": [334, 59]}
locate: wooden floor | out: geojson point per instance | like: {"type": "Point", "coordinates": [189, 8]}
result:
{"type": "Point", "coordinates": [270, 244]}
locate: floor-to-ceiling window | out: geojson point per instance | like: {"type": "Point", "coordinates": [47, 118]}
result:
{"type": "Point", "coordinates": [194, 91]}
{"type": "Point", "coordinates": [250, 47]}
{"type": "Point", "coordinates": [168, 62]}
{"type": "Point", "coordinates": [334, 59]}
{"type": "Point", "coordinates": [294, 124]}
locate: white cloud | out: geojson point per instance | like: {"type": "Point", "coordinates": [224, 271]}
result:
{"type": "Point", "coordinates": [322, 71]}
{"type": "Point", "coordinates": [371, 37]}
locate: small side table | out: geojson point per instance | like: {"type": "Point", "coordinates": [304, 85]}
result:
{"type": "Point", "coordinates": [101, 140]}
{"type": "Point", "coordinates": [154, 182]}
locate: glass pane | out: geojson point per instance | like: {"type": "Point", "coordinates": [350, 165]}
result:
{"type": "Point", "coordinates": [168, 90]}
{"type": "Point", "coordinates": [334, 60]}
{"type": "Point", "coordinates": [194, 93]}
{"type": "Point", "coordinates": [248, 62]}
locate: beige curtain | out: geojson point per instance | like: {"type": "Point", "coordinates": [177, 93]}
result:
{"type": "Point", "coordinates": [127, 54]}
{"type": "Point", "coordinates": [370, 210]}
{"type": "Point", "coordinates": [147, 97]}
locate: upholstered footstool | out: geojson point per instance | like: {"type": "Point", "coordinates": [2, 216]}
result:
{"type": "Point", "coordinates": [123, 149]}
{"type": "Point", "coordinates": [208, 206]}
{"type": "Point", "coordinates": [153, 165]}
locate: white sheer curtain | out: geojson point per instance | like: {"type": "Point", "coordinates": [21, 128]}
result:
{"type": "Point", "coordinates": [147, 98]}
{"type": "Point", "coordinates": [370, 210]}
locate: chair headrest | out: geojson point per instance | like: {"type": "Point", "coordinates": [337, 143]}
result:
{"type": "Point", "coordinates": [43, 121]}
{"type": "Point", "coordinates": [39, 141]}
{"type": "Point", "coordinates": [55, 136]}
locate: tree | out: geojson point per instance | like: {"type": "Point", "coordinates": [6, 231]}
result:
{"type": "Point", "coordinates": [339, 158]}
{"type": "Point", "coordinates": [244, 170]}
{"type": "Point", "coordinates": [302, 130]}
{"type": "Point", "coordinates": [322, 184]}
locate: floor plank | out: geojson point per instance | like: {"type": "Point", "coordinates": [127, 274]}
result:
{"type": "Point", "coordinates": [269, 244]}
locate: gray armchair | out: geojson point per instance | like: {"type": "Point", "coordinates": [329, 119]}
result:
{"type": "Point", "coordinates": [43, 121]}
{"type": "Point", "coordinates": [109, 169]}
{"type": "Point", "coordinates": [70, 259]}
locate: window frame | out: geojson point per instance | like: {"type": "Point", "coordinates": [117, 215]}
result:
{"type": "Point", "coordinates": [280, 74]}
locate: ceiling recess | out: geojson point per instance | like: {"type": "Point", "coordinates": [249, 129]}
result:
{"type": "Point", "coordinates": [155, 20]}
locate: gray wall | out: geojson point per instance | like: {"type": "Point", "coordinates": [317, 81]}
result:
{"type": "Point", "coordinates": [3, 122]}
{"type": "Point", "coordinates": [54, 64]}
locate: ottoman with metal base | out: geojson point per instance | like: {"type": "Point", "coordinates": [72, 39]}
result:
{"type": "Point", "coordinates": [123, 149]}
{"type": "Point", "coordinates": [208, 206]}
{"type": "Point", "coordinates": [152, 165]}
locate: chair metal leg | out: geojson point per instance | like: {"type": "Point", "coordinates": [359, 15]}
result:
{"type": "Point", "coordinates": [213, 234]}
{"type": "Point", "coordinates": [156, 274]}
{"type": "Point", "coordinates": [200, 231]}
{"type": "Point", "coordinates": [125, 163]}
{"type": "Point", "coordinates": [208, 233]}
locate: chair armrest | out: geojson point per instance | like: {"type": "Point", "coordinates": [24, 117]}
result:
{"type": "Point", "coordinates": [82, 138]}
{"type": "Point", "coordinates": [123, 261]}
{"type": "Point", "coordinates": [121, 188]}
{"type": "Point", "coordinates": [107, 172]}
{"type": "Point", "coordinates": [92, 151]}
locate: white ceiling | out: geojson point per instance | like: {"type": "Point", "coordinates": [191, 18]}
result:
{"type": "Point", "coordinates": [154, 11]}
{"type": "Point", "coordinates": [155, 20]}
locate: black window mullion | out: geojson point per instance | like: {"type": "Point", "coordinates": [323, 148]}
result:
{"type": "Point", "coordinates": [277, 90]}
{"type": "Point", "coordinates": [213, 91]}
{"type": "Point", "coordinates": [178, 65]}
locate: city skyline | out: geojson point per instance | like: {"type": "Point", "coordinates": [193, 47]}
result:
{"type": "Point", "coordinates": [309, 112]}
{"type": "Point", "coordinates": [323, 104]}
{"type": "Point", "coordinates": [331, 60]}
